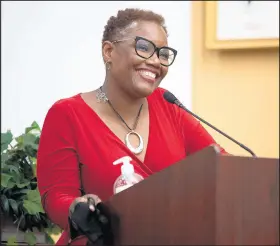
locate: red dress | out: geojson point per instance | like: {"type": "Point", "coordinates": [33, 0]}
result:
{"type": "Point", "coordinates": [74, 136]}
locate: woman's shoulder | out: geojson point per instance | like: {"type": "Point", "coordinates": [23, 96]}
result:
{"type": "Point", "coordinates": [64, 106]}
{"type": "Point", "coordinates": [68, 102]}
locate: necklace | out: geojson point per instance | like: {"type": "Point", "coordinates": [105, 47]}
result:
{"type": "Point", "coordinates": [101, 96]}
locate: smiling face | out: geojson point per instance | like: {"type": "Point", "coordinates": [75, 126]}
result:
{"type": "Point", "coordinates": [134, 74]}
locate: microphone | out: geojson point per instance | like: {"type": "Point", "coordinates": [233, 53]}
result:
{"type": "Point", "coordinates": [169, 97]}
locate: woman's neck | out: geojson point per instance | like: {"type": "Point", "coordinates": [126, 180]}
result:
{"type": "Point", "coordinates": [123, 103]}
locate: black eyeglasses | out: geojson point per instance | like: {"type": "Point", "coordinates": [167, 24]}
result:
{"type": "Point", "coordinates": [146, 49]}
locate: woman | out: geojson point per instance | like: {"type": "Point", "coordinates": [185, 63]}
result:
{"type": "Point", "coordinates": [83, 135]}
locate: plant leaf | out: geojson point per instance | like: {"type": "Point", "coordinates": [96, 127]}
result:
{"type": "Point", "coordinates": [29, 140]}
{"type": "Point", "coordinates": [34, 165]}
{"type": "Point", "coordinates": [13, 169]}
{"type": "Point", "coordinates": [30, 238]}
{"type": "Point", "coordinates": [32, 207]}
{"type": "Point", "coordinates": [20, 192]}
{"type": "Point", "coordinates": [12, 241]}
{"type": "Point", "coordinates": [5, 178]}
{"type": "Point", "coordinates": [21, 185]}
{"type": "Point", "coordinates": [32, 203]}
{"type": "Point", "coordinates": [5, 204]}
{"type": "Point", "coordinates": [19, 142]}
{"type": "Point", "coordinates": [49, 239]}
{"type": "Point", "coordinates": [13, 205]}
{"type": "Point", "coordinates": [4, 157]}
{"type": "Point", "coordinates": [16, 175]}
{"type": "Point", "coordinates": [54, 230]}
{"type": "Point", "coordinates": [11, 184]}
{"type": "Point", "coordinates": [34, 126]}
{"type": "Point", "coordinates": [34, 195]}
{"type": "Point", "coordinates": [6, 139]}
{"type": "Point", "coordinates": [19, 195]}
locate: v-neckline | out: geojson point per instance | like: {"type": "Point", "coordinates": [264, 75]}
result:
{"type": "Point", "coordinates": [142, 163]}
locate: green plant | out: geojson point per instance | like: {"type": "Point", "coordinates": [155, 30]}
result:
{"type": "Point", "coordinates": [20, 198]}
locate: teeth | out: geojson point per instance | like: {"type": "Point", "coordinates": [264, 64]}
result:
{"type": "Point", "coordinates": [147, 73]}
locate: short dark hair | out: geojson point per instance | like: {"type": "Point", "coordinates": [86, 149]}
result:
{"type": "Point", "coordinates": [125, 17]}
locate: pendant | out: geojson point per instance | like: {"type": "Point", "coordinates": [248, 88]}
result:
{"type": "Point", "coordinates": [101, 96]}
{"type": "Point", "coordinates": [140, 147]}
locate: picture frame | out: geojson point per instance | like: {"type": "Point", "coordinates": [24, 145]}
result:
{"type": "Point", "coordinates": [241, 24]}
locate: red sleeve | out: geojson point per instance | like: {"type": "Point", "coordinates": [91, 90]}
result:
{"type": "Point", "coordinates": [196, 136]}
{"type": "Point", "coordinates": [57, 164]}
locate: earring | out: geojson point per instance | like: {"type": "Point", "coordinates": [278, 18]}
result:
{"type": "Point", "coordinates": [107, 65]}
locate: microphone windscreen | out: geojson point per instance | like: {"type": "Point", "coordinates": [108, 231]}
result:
{"type": "Point", "coordinates": [169, 97]}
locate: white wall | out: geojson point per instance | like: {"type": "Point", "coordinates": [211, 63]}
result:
{"type": "Point", "coordinates": [52, 50]}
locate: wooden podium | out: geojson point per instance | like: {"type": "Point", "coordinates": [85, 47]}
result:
{"type": "Point", "coordinates": [206, 199]}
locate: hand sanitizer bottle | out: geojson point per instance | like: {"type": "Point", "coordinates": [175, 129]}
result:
{"type": "Point", "coordinates": [128, 177]}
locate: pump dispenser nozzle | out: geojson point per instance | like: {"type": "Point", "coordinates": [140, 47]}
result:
{"type": "Point", "coordinates": [128, 177]}
{"type": "Point", "coordinates": [127, 168]}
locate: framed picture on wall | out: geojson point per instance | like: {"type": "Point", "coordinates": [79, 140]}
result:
{"type": "Point", "coordinates": [241, 24]}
